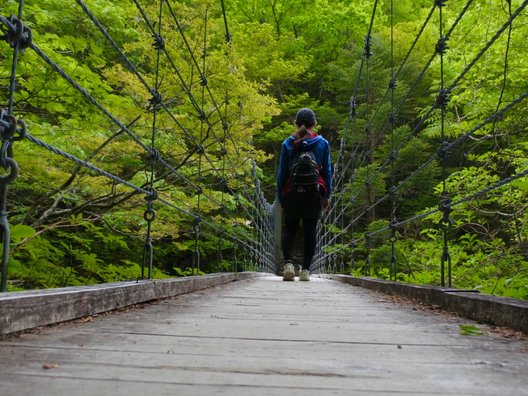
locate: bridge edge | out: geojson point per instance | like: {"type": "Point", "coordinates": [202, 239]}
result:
{"type": "Point", "coordinates": [30, 309]}
{"type": "Point", "coordinates": [484, 308]}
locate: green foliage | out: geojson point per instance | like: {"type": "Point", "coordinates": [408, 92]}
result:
{"type": "Point", "coordinates": [72, 227]}
{"type": "Point", "coordinates": [487, 237]}
{"type": "Point", "coordinates": [188, 271]}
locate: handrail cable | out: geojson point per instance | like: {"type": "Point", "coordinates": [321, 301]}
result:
{"type": "Point", "coordinates": [448, 148]}
{"type": "Point", "coordinates": [352, 113]}
{"type": "Point", "coordinates": [449, 89]}
{"type": "Point", "coordinates": [91, 99]}
{"type": "Point", "coordinates": [155, 93]}
{"type": "Point", "coordinates": [412, 87]}
{"type": "Point", "coordinates": [445, 147]}
{"type": "Point", "coordinates": [203, 77]}
{"type": "Point", "coordinates": [147, 191]}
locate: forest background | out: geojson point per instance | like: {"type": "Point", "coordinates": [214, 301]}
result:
{"type": "Point", "coordinates": [73, 227]}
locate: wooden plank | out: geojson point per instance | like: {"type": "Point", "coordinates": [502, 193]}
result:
{"type": "Point", "coordinates": [265, 337]}
{"type": "Point", "coordinates": [30, 309]}
{"type": "Point", "coordinates": [497, 310]}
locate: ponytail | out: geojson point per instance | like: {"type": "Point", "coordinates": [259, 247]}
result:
{"type": "Point", "coordinates": [299, 136]}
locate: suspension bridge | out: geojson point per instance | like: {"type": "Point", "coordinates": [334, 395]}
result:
{"type": "Point", "coordinates": [243, 331]}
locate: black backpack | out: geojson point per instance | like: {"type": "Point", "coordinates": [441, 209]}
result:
{"type": "Point", "coordinates": [304, 170]}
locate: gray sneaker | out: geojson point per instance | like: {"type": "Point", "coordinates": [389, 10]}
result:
{"type": "Point", "coordinates": [288, 274]}
{"type": "Point", "coordinates": [304, 275]}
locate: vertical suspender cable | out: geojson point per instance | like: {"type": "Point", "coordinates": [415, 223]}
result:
{"type": "Point", "coordinates": [19, 37]}
{"type": "Point", "coordinates": [201, 152]}
{"type": "Point", "coordinates": [342, 224]}
{"type": "Point", "coordinates": [344, 167]}
{"type": "Point", "coordinates": [225, 127]}
{"type": "Point", "coordinates": [505, 72]}
{"type": "Point", "coordinates": [16, 50]}
{"type": "Point", "coordinates": [445, 203]}
{"type": "Point", "coordinates": [150, 214]}
{"type": "Point", "coordinates": [223, 180]}
{"type": "Point", "coordinates": [368, 136]}
{"type": "Point", "coordinates": [255, 251]}
{"type": "Point", "coordinates": [351, 116]}
{"type": "Point", "coordinates": [228, 35]}
{"type": "Point", "coordinates": [392, 86]}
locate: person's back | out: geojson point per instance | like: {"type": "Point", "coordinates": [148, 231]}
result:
{"type": "Point", "coordinates": [300, 196]}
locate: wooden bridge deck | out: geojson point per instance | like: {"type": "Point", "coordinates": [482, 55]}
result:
{"type": "Point", "coordinates": [265, 337]}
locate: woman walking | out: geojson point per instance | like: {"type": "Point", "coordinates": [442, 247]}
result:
{"type": "Point", "coordinates": [304, 185]}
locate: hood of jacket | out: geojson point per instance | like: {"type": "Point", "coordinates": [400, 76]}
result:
{"type": "Point", "coordinates": [306, 144]}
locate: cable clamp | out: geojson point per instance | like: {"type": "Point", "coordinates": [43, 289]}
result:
{"type": "Point", "coordinates": [367, 49]}
{"type": "Point", "coordinates": [154, 154]}
{"type": "Point", "coordinates": [150, 197]}
{"type": "Point", "coordinates": [353, 107]}
{"type": "Point", "coordinates": [445, 208]}
{"type": "Point", "coordinates": [159, 41]}
{"type": "Point", "coordinates": [442, 99]}
{"type": "Point", "coordinates": [441, 45]}
{"type": "Point", "coordinates": [393, 83]}
{"type": "Point", "coordinates": [199, 149]}
{"type": "Point", "coordinates": [443, 151]}
{"type": "Point", "coordinates": [440, 3]}
{"type": "Point", "coordinates": [18, 34]}
{"type": "Point", "coordinates": [8, 129]}
{"type": "Point", "coordinates": [156, 98]}
{"type": "Point", "coordinates": [393, 226]}
{"type": "Point", "coordinates": [393, 117]}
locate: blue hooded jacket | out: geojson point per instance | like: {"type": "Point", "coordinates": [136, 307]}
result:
{"type": "Point", "coordinates": [321, 149]}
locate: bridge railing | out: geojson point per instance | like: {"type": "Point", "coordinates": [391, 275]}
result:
{"type": "Point", "coordinates": [228, 202]}
{"type": "Point", "coordinates": [369, 176]}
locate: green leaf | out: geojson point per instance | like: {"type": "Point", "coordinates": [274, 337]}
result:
{"type": "Point", "coordinates": [521, 183]}
{"type": "Point", "coordinates": [20, 232]}
{"type": "Point", "coordinates": [470, 330]}
{"type": "Point", "coordinates": [14, 266]}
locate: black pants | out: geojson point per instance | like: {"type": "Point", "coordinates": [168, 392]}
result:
{"type": "Point", "coordinates": [305, 206]}
{"type": "Point", "coordinates": [291, 227]}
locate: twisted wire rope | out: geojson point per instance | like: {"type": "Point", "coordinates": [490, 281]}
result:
{"type": "Point", "coordinates": [150, 150]}
{"type": "Point", "coordinates": [447, 147]}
